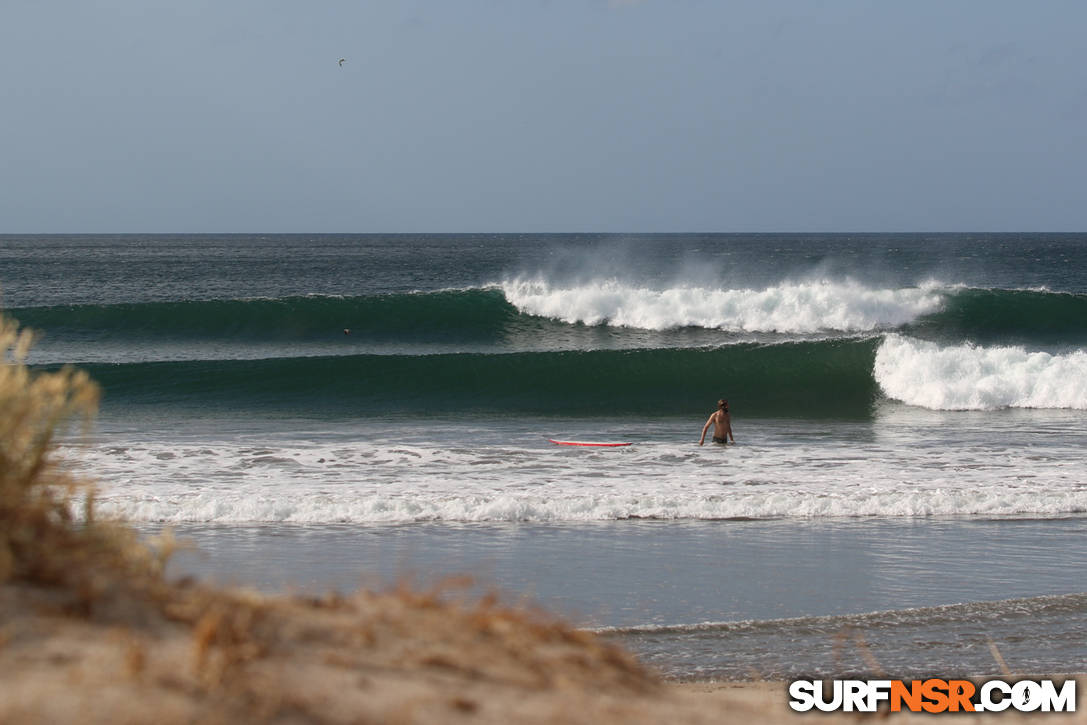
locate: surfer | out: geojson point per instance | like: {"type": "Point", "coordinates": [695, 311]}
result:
{"type": "Point", "coordinates": [722, 424]}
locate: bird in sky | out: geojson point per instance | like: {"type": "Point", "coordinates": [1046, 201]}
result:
{"type": "Point", "coordinates": [342, 61]}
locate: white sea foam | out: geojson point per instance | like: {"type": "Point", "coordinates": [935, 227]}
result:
{"type": "Point", "coordinates": [969, 377]}
{"type": "Point", "coordinates": [890, 475]}
{"type": "Point", "coordinates": [373, 507]}
{"type": "Point", "coordinates": [370, 509]}
{"type": "Point", "coordinates": [789, 307]}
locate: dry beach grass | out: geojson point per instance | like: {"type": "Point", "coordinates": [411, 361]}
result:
{"type": "Point", "coordinates": [92, 631]}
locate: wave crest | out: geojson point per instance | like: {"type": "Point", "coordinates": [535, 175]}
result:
{"type": "Point", "coordinates": [790, 307]}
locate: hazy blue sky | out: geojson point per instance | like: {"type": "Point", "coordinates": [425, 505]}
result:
{"type": "Point", "coordinates": [504, 115]}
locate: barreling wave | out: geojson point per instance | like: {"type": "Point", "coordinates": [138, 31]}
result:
{"type": "Point", "coordinates": [817, 379]}
{"type": "Point", "coordinates": [820, 379]}
{"type": "Point", "coordinates": [460, 314]}
{"type": "Point", "coordinates": [994, 315]}
{"type": "Point", "coordinates": [539, 310]}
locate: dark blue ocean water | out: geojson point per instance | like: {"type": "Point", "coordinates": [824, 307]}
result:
{"type": "Point", "coordinates": [392, 396]}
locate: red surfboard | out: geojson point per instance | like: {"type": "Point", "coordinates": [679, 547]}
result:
{"type": "Point", "coordinates": [588, 443]}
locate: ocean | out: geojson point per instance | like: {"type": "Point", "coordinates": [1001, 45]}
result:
{"type": "Point", "coordinates": [906, 494]}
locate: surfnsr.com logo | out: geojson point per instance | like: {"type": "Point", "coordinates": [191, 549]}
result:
{"type": "Point", "coordinates": [932, 695]}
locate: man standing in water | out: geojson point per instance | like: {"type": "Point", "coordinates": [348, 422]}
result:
{"type": "Point", "coordinates": [722, 424]}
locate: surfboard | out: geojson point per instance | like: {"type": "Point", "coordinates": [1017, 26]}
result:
{"type": "Point", "coordinates": [599, 444]}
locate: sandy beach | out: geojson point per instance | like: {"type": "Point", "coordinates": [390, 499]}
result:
{"type": "Point", "coordinates": [216, 656]}
{"type": "Point", "coordinates": [187, 653]}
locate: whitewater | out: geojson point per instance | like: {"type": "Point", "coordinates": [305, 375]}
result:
{"type": "Point", "coordinates": [790, 307]}
{"type": "Point", "coordinates": [787, 472]}
{"type": "Point", "coordinates": [976, 466]}
{"type": "Point", "coordinates": [970, 377]}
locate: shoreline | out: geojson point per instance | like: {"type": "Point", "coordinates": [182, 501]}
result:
{"type": "Point", "coordinates": [664, 591]}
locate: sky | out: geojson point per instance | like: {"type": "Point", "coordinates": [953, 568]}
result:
{"type": "Point", "coordinates": [542, 116]}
